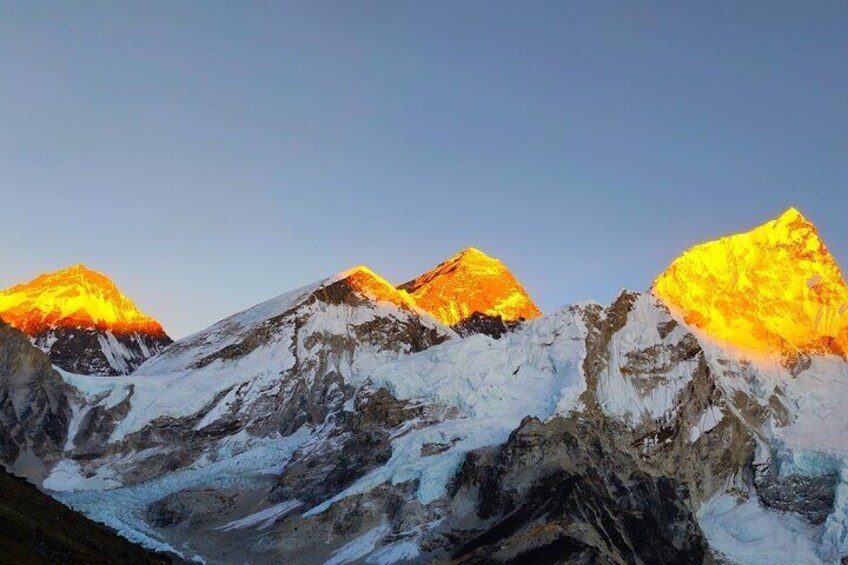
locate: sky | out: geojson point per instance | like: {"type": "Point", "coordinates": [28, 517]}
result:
{"type": "Point", "coordinates": [210, 155]}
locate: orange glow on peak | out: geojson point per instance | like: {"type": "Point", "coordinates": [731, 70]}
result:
{"type": "Point", "coordinates": [470, 282]}
{"type": "Point", "coordinates": [76, 297]}
{"type": "Point", "coordinates": [775, 288]}
{"type": "Point", "coordinates": [367, 282]}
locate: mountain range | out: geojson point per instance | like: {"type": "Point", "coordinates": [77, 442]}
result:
{"type": "Point", "coordinates": [448, 419]}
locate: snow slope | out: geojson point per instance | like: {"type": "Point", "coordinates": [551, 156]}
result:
{"type": "Point", "coordinates": [492, 383]}
{"type": "Point", "coordinates": [182, 382]}
{"type": "Point", "coordinates": [745, 532]}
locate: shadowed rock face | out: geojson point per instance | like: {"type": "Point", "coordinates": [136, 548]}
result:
{"type": "Point", "coordinates": [561, 492]}
{"type": "Point", "coordinates": [493, 326]}
{"type": "Point", "coordinates": [34, 411]}
{"type": "Point", "coordinates": [811, 497]}
{"type": "Point", "coordinates": [93, 352]}
{"type": "Point", "coordinates": [359, 442]}
{"type": "Point", "coordinates": [34, 414]}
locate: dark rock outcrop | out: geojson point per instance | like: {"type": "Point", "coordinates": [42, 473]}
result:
{"type": "Point", "coordinates": [191, 507]}
{"type": "Point", "coordinates": [493, 326]}
{"type": "Point", "coordinates": [96, 352]}
{"type": "Point", "coordinates": [811, 497]}
{"type": "Point", "coordinates": [562, 492]}
{"type": "Point", "coordinates": [360, 442]}
{"type": "Point", "coordinates": [34, 409]}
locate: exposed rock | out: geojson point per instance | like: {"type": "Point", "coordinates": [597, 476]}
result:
{"type": "Point", "coordinates": [811, 497]}
{"type": "Point", "coordinates": [428, 449]}
{"type": "Point", "coordinates": [477, 323]}
{"type": "Point", "coordinates": [191, 507]}
{"type": "Point", "coordinates": [34, 409]}
{"type": "Point", "coordinates": [98, 352]}
{"type": "Point", "coordinates": [360, 441]}
{"type": "Point", "coordinates": [602, 325]}
{"type": "Point", "coordinates": [392, 510]}
{"type": "Point", "coordinates": [561, 492]}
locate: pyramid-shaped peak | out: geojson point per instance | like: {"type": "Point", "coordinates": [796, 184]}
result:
{"type": "Point", "coordinates": [78, 269]}
{"type": "Point", "coordinates": [791, 214]}
{"type": "Point", "coordinates": [471, 281]}
{"type": "Point", "coordinates": [792, 220]}
{"type": "Point", "coordinates": [363, 276]}
{"type": "Point", "coordinates": [76, 297]}
{"type": "Point", "coordinates": [794, 234]}
{"type": "Point", "coordinates": [78, 277]}
{"type": "Point", "coordinates": [81, 273]}
{"type": "Point", "coordinates": [358, 270]}
{"type": "Point", "coordinates": [773, 288]}
{"type": "Point", "coordinates": [473, 253]}
{"type": "Point", "coordinates": [474, 260]}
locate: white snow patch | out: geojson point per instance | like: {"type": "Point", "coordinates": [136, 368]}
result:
{"type": "Point", "coordinates": [394, 553]}
{"type": "Point", "coordinates": [78, 414]}
{"type": "Point", "coordinates": [67, 476]}
{"type": "Point", "coordinates": [745, 532]}
{"type": "Point", "coordinates": [264, 517]}
{"type": "Point", "coordinates": [709, 419]}
{"type": "Point", "coordinates": [116, 353]}
{"type": "Point", "coordinates": [219, 410]}
{"type": "Point", "coordinates": [618, 393]}
{"type": "Point", "coordinates": [359, 547]}
{"type": "Point", "coordinates": [182, 355]}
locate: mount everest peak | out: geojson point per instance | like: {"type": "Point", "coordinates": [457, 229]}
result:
{"type": "Point", "coordinates": [471, 282]}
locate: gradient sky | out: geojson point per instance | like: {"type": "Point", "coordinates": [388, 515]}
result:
{"type": "Point", "coordinates": [210, 155]}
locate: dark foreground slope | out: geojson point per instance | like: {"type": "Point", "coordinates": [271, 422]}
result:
{"type": "Point", "coordinates": [36, 529]}
{"type": "Point", "coordinates": [34, 412]}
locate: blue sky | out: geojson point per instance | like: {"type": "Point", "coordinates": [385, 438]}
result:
{"type": "Point", "coordinates": [209, 155]}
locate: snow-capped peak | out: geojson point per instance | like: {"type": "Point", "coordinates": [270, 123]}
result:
{"type": "Point", "coordinates": [83, 321]}
{"type": "Point", "coordinates": [775, 288]}
{"type": "Point", "coordinates": [75, 297]}
{"type": "Point", "coordinates": [470, 282]}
